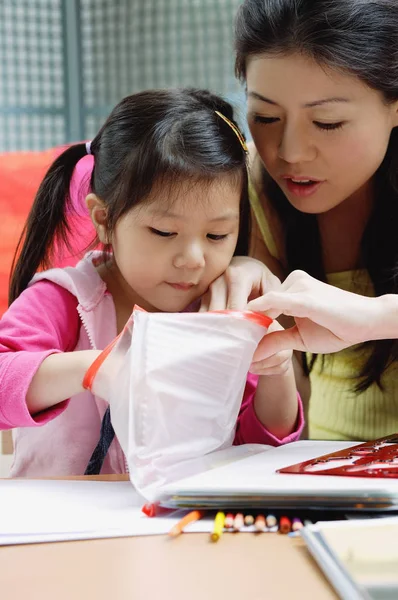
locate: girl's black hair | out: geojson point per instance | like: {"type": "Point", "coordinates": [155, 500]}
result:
{"type": "Point", "coordinates": [358, 37]}
{"type": "Point", "coordinates": [151, 138]}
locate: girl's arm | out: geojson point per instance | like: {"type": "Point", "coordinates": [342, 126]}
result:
{"type": "Point", "coordinates": [251, 430]}
{"type": "Point", "coordinates": [272, 411]}
{"type": "Point", "coordinates": [276, 403]}
{"type": "Point", "coordinates": [275, 400]}
{"type": "Point", "coordinates": [40, 326]}
{"type": "Point", "coordinates": [58, 378]}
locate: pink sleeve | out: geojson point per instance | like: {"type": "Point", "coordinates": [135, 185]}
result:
{"type": "Point", "coordinates": [250, 430]}
{"type": "Point", "coordinates": [43, 320]}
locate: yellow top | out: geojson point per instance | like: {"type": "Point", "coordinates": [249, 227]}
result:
{"type": "Point", "coordinates": [335, 411]}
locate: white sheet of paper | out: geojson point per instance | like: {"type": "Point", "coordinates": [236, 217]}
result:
{"type": "Point", "coordinates": [48, 510]}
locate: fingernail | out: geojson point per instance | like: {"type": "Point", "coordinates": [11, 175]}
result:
{"type": "Point", "coordinates": [253, 369]}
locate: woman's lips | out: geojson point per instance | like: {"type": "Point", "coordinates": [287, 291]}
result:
{"type": "Point", "coordinates": [302, 186]}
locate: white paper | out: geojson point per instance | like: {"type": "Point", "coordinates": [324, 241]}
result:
{"type": "Point", "coordinates": [50, 510]}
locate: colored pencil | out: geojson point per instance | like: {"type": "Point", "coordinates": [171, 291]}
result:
{"type": "Point", "coordinates": [229, 521]}
{"type": "Point", "coordinates": [249, 520]}
{"type": "Point", "coordinates": [238, 522]}
{"type": "Point", "coordinates": [259, 523]}
{"type": "Point", "coordinates": [297, 524]}
{"type": "Point", "coordinates": [271, 521]}
{"type": "Point", "coordinates": [191, 517]}
{"type": "Point", "coordinates": [218, 527]}
{"type": "Point", "coordinates": [285, 525]}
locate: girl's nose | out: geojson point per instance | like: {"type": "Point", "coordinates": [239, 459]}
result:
{"type": "Point", "coordinates": [191, 257]}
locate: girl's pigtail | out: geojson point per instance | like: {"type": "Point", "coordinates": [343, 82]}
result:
{"type": "Point", "coordinates": [46, 222]}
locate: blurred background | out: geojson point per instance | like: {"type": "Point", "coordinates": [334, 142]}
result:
{"type": "Point", "coordinates": [64, 64]}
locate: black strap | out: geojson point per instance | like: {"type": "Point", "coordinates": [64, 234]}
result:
{"type": "Point", "coordinates": [107, 434]}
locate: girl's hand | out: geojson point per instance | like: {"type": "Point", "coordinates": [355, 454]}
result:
{"type": "Point", "coordinates": [327, 319]}
{"type": "Point", "coordinates": [245, 279]}
{"type": "Point", "coordinates": [276, 364]}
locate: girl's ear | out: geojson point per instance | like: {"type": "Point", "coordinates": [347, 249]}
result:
{"type": "Point", "coordinates": [98, 214]}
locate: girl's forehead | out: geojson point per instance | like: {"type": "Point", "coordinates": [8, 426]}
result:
{"type": "Point", "coordinates": [184, 195]}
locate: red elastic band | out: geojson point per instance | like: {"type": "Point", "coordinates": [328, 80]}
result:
{"type": "Point", "coordinates": [93, 369]}
{"type": "Point", "coordinates": [247, 315]}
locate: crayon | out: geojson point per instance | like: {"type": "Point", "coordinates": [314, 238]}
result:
{"type": "Point", "coordinates": [297, 524]}
{"type": "Point", "coordinates": [271, 521]}
{"type": "Point", "coordinates": [191, 517]}
{"type": "Point", "coordinates": [218, 527]}
{"type": "Point", "coordinates": [285, 525]}
{"type": "Point", "coordinates": [238, 522]}
{"type": "Point", "coordinates": [152, 509]}
{"type": "Point", "coordinates": [249, 520]}
{"type": "Point", "coordinates": [259, 523]}
{"type": "Point", "coordinates": [229, 521]}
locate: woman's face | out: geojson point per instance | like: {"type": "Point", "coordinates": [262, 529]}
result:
{"type": "Point", "coordinates": [321, 134]}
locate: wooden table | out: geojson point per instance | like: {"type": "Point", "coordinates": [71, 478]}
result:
{"type": "Point", "coordinates": [238, 567]}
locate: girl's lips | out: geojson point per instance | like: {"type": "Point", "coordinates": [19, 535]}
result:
{"type": "Point", "coordinates": [181, 286]}
{"type": "Point", "coordinates": [302, 190]}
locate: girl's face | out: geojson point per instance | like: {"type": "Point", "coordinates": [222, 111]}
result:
{"type": "Point", "coordinates": [170, 249]}
{"type": "Point", "coordinates": [321, 134]}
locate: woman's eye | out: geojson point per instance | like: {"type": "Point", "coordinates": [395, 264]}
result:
{"type": "Point", "coordinates": [216, 238]}
{"type": "Point", "coordinates": [329, 126]}
{"type": "Point", "coordinates": [265, 120]}
{"type": "Point", "coordinates": [161, 233]}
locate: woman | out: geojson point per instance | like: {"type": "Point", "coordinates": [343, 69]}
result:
{"type": "Point", "coordinates": [322, 89]}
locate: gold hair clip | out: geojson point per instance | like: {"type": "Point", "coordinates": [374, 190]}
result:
{"type": "Point", "coordinates": [235, 130]}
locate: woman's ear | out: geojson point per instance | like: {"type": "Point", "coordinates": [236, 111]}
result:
{"type": "Point", "coordinates": [98, 214]}
{"type": "Point", "coordinates": [395, 114]}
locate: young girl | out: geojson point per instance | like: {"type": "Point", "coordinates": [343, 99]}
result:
{"type": "Point", "coordinates": [322, 89]}
{"type": "Point", "coordinates": [168, 200]}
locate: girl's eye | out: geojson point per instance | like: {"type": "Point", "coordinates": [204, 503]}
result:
{"type": "Point", "coordinates": [216, 238]}
{"type": "Point", "coordinates": [265, 120]}
{"type": "Point", "coordinates": [329, 126]}
{"type": "Point", "coordinates": [161, 233]}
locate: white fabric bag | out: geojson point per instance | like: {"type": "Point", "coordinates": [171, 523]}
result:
{"type": "Point", "coordinates": [175, 382]}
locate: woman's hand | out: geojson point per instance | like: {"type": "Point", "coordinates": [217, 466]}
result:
{"type": "Point", "coordinates": [327, 319]}
{"type": "Point", "coordinates": [245, 279]}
